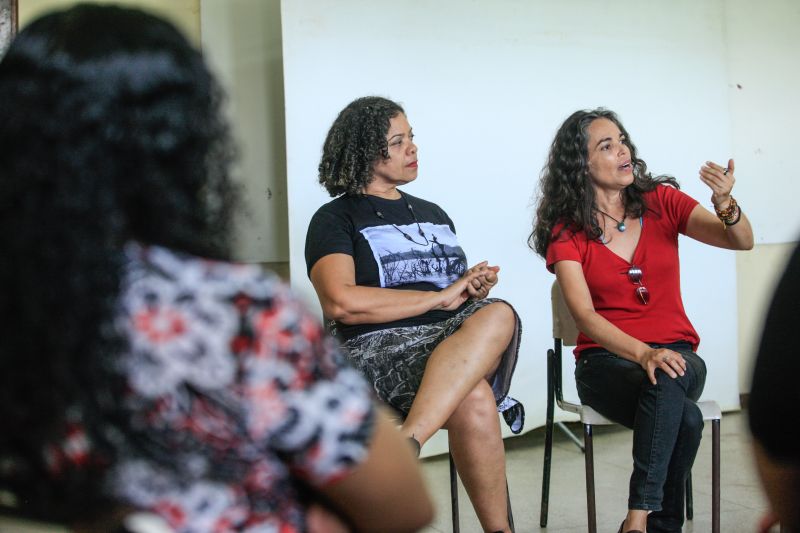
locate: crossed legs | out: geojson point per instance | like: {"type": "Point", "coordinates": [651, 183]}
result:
{"type": "Point", "coordinates": [455, 393]}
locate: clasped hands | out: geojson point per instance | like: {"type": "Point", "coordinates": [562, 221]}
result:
{"type": "Point", "coordinates": [482, 278]}
{"type": "Point", "coordinates": [476, 283]}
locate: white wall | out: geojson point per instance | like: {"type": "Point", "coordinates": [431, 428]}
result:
{"type": "Point", "coordinates": [485, 86]}
{"type": "Point", "coordinates": [762, 44]}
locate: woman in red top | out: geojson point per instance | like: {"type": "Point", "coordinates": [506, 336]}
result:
{"type": "Point", "coordinates": [609, 230]}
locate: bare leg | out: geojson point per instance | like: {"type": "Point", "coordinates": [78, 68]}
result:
{"type": "Point", "coordinates": [466, 357]}
{"type": "Point", "coordinates": [479, 454]}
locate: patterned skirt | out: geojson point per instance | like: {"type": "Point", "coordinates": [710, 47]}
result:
{"type": "Point", "coordinates": [394, 359]}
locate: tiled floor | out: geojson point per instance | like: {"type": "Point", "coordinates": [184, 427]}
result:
{"type": "Point", "coordinates": [741, 506]}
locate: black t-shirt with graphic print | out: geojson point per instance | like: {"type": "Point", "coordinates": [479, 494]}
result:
{"type": "Point", "coordinates": [383, 255]}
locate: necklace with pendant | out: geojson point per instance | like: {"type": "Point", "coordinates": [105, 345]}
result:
{"type": "Point", "coordinates": [620, 223]}
{"type": "Point", "coordinates": [413, 215]}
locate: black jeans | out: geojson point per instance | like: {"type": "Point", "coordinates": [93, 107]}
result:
{"type": "Point", "coordinates": [667, 425]}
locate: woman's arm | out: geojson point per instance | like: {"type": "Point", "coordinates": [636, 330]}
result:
{"type": "Point", "coordinates": [333, 277]}
{"type": "Point", "coordinates": [386, 492]}
{"type": "Point", "coordinates": [705, 227]}
{"type": "Point", "coordinates": [579, 301]}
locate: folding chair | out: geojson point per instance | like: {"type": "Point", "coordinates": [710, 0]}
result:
{"type": "Point", "coordinates": [565, 333]}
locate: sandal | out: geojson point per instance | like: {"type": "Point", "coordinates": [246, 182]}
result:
{"type": "Point", "coordinates": [628, 531]}
{"type": "Point", "coordinates": [415, 447]}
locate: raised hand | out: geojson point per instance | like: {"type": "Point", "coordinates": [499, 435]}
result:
{"type": "Point", "coordinates": [720, 180]}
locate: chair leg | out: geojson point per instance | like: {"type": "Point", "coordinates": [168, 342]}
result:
{"type": "Point", "coordinates": [570, 435]}
{"type": "Point", "coordinates": [548, 442]}
{"type": "Point", "coordinates": [715, 476]}
{"type": "Point", "coordinates": [454, 493]}
{"type": "Point", "coordinates": [689, 498]}
{"type": "Point", "coordinates": [548, 454]}
{"type": "Point", "coordinates": [589, 460]}
{"type": "Point", "coordinates": [508, 508]}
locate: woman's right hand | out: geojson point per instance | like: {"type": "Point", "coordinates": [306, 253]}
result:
{"type": "Point", "coordinates": [480, 286]}
{"type": "Point", "coordinates": [457, 292]}
{"type": "Point", "coordinates": [669, 361]}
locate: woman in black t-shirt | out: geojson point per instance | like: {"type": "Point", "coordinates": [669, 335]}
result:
{"type": "Point", "coordinates": [394, 282]}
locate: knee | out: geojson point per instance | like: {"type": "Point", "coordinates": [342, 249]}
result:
{"type": "Point", "coordinates": [501, 313]}
{"type": "Point", "coordinates": [692, 421]}
{"type": "Point", "coordinates": [476, 409]}
{"type": "Point", "coordinates": [497, 317]}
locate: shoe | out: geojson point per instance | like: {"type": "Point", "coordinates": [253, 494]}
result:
{"type": "Point", "coordinates": [628, 531]}
{"type": "Point", "coordinates": [415, 447]}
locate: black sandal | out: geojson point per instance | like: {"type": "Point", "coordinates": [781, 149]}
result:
{"type": "Point", "coordinates": [630, 530]}
{"type": "Point", "coordinates": [415, 447]}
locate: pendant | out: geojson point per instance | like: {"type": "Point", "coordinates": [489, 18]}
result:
{"type": "Point", "coordinates": [621, 226]}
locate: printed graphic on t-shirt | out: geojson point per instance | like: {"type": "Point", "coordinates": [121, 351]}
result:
{"type": "Point", "coordinates": [433, 258]}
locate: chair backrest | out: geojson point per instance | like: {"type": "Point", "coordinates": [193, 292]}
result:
{"type": "Point", "coordinates": [565, 333]}
{"type": "Point", "coordinates": [564, 326]}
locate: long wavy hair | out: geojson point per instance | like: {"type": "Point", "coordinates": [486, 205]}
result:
{"type": "Point", "coordinates": [111, 131]}
{"type": "Point", "coordinates": [355, 142]}
{"type": "Point", "coordinates": [566, 195]}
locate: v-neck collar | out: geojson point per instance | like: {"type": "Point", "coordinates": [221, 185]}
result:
{"type": "Point", "coordinates": [635, 249]}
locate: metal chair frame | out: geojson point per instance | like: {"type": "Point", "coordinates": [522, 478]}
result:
{"type": "Point", "coordinates": [565, 333]}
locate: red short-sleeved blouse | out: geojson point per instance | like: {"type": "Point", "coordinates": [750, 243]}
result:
{"type": "Point", "coordinates": [663, 319]}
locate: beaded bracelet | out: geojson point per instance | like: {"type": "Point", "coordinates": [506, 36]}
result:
{"type": "Point", "coordinates": [735, 220]}
{"type": "Point", "coordinates": [728, 214]}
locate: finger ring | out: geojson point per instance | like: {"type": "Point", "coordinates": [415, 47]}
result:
{"type": "Point", "coordinates": [665, 359]}
{"type": "Point", "coordinates": [725, 172]}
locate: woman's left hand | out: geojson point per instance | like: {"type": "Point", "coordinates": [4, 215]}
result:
{"type": "Point", "coordinates": [487, 278]}
{"type": "Point", "coordinates": [720, 180]}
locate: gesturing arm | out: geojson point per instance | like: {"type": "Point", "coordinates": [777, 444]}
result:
{"type": "Point", "coordinates": [705, 227]}
{"type": "Point", "coordinates": [591, 323]}
{"type": "Point", "coordinates": [333, 277]}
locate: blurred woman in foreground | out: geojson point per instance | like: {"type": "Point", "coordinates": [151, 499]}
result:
{"type": "Point", "coordinates": [138, 367]}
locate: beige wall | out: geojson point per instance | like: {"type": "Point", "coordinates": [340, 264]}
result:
{"type": "Point", "coordinates": [183, 13]}
{"type": "Point", "coordinates": [757, 272]}
{"type": "Point", "coordinates": [242, 41]}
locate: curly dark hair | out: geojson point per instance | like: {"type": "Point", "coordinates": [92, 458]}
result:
{"type": "Point", "coordinates": [566, 194]}
{"type": "Point", "coordinates": [354, 143]}
{"type": "Point", "coordinates": [111, 131]}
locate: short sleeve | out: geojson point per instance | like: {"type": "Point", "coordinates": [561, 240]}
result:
{"type": "Point", "coordinates": [329, 232]}
{"type": "Point", "coordinates": [304, 401]}
{"type": "Point", "coordinates": [563, 247]}
{"type": "Point", "coordinates": [677, 205]}
{"type": "Point", "coordinates": [447, 218]}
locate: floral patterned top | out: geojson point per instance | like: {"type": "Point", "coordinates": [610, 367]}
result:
{"type": "Point", "coordinates": [233, 385]}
